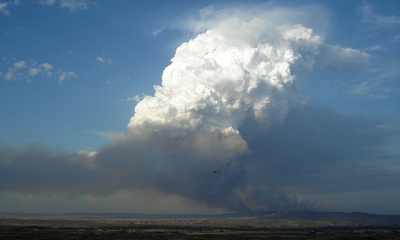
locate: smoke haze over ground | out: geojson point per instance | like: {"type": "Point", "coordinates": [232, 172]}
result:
{"type": "Point", "coordinates": [230, 102]}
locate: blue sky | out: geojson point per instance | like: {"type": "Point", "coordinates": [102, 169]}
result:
{"type": "Point", "coordinates": [72, 72]}
{"type": "Point", "coordinates": [76, 41]}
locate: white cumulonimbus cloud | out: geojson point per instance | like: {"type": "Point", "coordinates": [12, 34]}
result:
{"type": "Point", "coordinates": [235, 71]}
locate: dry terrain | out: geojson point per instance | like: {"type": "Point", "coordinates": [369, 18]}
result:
{"type": "Point", "coordinates": [272, 225]}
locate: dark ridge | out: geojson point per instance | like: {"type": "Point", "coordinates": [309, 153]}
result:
{"type": "Point", "coordinates": [264, 214]}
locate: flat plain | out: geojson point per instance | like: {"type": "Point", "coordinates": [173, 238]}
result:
{"type": "Point", "coordinates": [271, 225]}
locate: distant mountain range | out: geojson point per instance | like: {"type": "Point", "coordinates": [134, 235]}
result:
{"type": "Point", "coordinates": [268, 219]}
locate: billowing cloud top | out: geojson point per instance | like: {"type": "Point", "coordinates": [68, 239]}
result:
{"type": "Point", "coordinates": [237, 70]}
{"type": "Point", "coordinates": [224, 75]}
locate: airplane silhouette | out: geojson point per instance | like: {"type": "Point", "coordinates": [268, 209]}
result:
{"type": "Point", "coordinates": [215, 171]}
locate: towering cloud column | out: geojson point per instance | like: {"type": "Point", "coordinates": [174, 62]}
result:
{"type": "Point", "coordinates": [235, 71]}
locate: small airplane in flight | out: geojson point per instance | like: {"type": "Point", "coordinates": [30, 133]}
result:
{"type": "Point", "coordinates": [216, 171]}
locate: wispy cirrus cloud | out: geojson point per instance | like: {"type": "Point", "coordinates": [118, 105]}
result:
{"type": "Point", "coordinates": [104, 60]}
{"type": "Point", "coordinates": [29, 70]}
{"type": "Point", "coordinates": [156, 32]}
{"type": "Point", "coordinates": [47, 2]}
{"type": "Point", "coordinates": [136, 99]}
{"type": "Point", "coordinates": [370, 16]}
{"type": "Point", "coordinates": [64, 75]}
{"type": "Point", "coordinates": [6, 6]}
{"type": "Point", "coordinates": [72, 5]}
{"type": "Point", "coordinates": [379, 81]}
{"type": "Point", "coordinates": [107, 134]}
